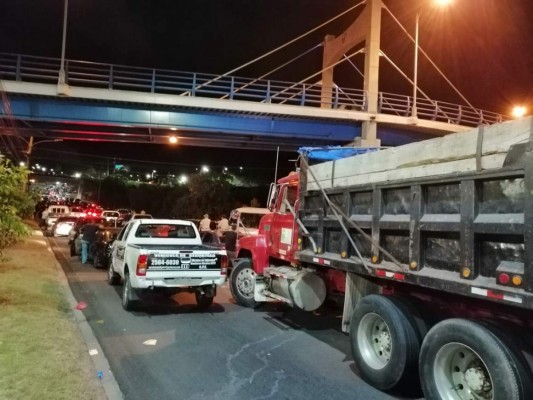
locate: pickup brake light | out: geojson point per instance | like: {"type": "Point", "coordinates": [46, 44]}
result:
{"type": "Point", "coordinates": [223, 265]}
{"type": "Point", "coordinates": [142, 265]}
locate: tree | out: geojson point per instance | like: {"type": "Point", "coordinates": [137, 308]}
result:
{"type": "Point", "coordinates": [15, 203]}
{"type": "Point", "coordinates": [207, 193]}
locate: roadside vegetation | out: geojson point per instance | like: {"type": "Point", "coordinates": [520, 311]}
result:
{"type": "Point", "coordinates": [15, 203]}
{"type": "Point", "coordinates": [42, 354]}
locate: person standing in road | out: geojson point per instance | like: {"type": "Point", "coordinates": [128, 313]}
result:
{"type": "Point", "coordinates": [204, 224]}
{"type": "Point", "coordinates": [88, 233]}
{"type": "Point", "coordinates": [223, 225]}
{"type": "Point", "coordinates": [230, 241]}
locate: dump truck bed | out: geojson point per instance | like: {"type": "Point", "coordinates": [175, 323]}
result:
{"type": "Point", "coordinates": [456, 213]}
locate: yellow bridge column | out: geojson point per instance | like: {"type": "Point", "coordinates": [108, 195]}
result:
{"type": "Point", "coordinates": [366, 28]}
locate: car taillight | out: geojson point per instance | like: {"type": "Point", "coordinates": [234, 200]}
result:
{"type": "Point", "coordinates": [142, 264]}
{"type": "Point", "coordinates": [223, 265]}
{"type": "Point", "coordinates": [224, 262]}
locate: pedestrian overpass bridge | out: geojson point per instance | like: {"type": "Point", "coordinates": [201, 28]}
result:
{"type": "Point", "coordinates": [106, 102]}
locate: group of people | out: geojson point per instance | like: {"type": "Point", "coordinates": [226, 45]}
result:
{"type": "Point", "coordinates": [223, 229]}
{"type": "Point", "coordinates": [208, 225]}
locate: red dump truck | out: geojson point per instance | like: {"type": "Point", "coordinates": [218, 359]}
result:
{"type": "Point", "coordinates": [430, 245]}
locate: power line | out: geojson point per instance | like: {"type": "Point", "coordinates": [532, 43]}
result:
{"type": "Point", "coordinates": [152, 162]}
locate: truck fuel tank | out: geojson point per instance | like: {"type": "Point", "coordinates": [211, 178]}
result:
{"type": "Point", "coordinates": [303, 288]}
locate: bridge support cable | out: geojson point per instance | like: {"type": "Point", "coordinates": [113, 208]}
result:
{"type": "Point", "coordinates": [187, 93]}
{"type": "Point", "coordinates": [315, 75]}
{"type": "Point", "coordinates": [434, 102]}
{"type": "Point", "coordinates": [432, 62]}
{"type": "Point", "coordinates": [274, 70]}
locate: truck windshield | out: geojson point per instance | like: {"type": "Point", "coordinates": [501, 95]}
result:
{"type": "Point", "coordinates": [169, 231]}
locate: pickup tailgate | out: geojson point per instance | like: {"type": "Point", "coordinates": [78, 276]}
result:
{"type": "Point", "coordinates": [180, 263]}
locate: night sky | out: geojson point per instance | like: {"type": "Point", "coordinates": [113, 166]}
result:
{"type": "Point", "coordinates": [485, 47]}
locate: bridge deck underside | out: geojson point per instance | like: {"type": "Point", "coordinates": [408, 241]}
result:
{"type": "Point", "coordinates": [103, 121]}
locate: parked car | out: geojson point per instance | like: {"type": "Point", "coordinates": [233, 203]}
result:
{"type": "Point", "coordinates": [78, 212]}
{"type": "Point", "coordinates": [94, 211]}
{"type": "Point", "coordinates": [63, 226]}
{"type": "Point", "coordinates": [101, 250]}
{"type": "Point", "coordinates": [142, 216]}
{"type": "Point", "coordinates": [74, 241]}
{"type": "Point", "coordinates": [112, 218]}
{"type": "Point", "coordinates": [125, 213]}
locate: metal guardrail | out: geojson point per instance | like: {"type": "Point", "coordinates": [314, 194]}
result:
{"type": "Point", "coordinates": [24, 68]}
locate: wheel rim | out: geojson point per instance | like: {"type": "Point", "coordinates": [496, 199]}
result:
{"type": "Point", "coordinates": [374, 341]}
{"type": "Point", "coordinates": [245, 282]}
{"type": "Point", "coordinates": [461, 374]}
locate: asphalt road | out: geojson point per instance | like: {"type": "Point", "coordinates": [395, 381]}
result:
{"type": "Point", "coordinates": [226, 352]}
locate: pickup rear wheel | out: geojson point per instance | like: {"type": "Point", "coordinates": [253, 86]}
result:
{"type": "Point", "coordinates": [242, 283]}
{"type": "Point", "coordinates": [385, 341]}
{"type": "Point", "coordinates": [204, 300]}
{"type": "Point", "coordinates": [112, 277]}
{"type": "Point", "coordinates": [128, 302]}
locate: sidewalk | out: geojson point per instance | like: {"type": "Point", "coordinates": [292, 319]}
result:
{"type": "Point", "coordinates": [44, 340]}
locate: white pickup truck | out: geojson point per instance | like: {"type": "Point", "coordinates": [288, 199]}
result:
{"type": "Point", "coordinates": [165, 255]}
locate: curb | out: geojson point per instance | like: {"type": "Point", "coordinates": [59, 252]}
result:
{"type": "Point", "coordinates": [108, 381]}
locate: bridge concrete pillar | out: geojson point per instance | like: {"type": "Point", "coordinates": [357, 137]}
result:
{"type": "Point", "coordinates": [367, 28]}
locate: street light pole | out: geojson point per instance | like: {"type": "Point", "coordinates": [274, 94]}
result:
{"type": "Point", "coordinates": [31, 145]}
{"type": "Point", "coordinates": [414, 111]}
{"type": "Point", "coordinates": [63, 45]}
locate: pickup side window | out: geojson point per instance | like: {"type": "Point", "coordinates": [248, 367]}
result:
{"type": "Point", "coordinates": [169, 231]}
{"type": "Point", "coordinates": [122, 233]}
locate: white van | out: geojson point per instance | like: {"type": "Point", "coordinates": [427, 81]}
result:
{"type": "Point", "coordinates": [52, 213]}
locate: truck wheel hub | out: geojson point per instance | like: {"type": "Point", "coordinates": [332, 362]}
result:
{"type": "Point", "coordinates": [476, 380]}
{"type": "Point", "coordinates": [245, 282]}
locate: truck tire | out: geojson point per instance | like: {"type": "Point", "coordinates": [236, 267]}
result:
{"type": "Point", "coordinates": [203, 300]}
{"type": "Point", "coordinates": [385, 341]}
{"type": "Point", "coordinates": [462, 359]}
{"type": "Point", "coordinates": [72, 250]}
{"type": "Point", "coordinates": [242, 283]}
{"type": "Point", "coordinates": [128, 301]}
{"type": "Point", "coordinates": [112, 277]}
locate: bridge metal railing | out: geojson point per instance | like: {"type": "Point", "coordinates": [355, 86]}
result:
{"type": "Point", "coordinates": [24, 68]}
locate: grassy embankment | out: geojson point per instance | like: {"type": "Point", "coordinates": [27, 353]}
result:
{"type": "Point", "coordinates": [42, 353]}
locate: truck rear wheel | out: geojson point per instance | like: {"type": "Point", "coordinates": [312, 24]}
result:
{"type": "Point", "coordinates": [463, 360]}
{"type": "Point", "coordinates": [385, 341]}
{"type": "Point", "coordinates": [242, 283]}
